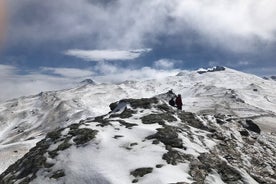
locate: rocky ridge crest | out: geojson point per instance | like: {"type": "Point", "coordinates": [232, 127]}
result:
{"type": "Point", "coordinates": [221, 145]}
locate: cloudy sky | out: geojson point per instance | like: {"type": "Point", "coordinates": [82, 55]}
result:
{"type": "Point", "coordinates": [54, 44]}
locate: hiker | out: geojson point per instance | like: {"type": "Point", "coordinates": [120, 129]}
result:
{"type": "Point", "coordinates": [171, 102]}
{"type": "Point", "coordinates": [178, 102]}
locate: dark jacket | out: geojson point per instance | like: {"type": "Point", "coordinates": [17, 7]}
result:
{"type": "Point", "coordinates": [178, 102]}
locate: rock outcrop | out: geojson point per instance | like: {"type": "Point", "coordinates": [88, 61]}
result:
{"type": "Point", "coordinates": [234, 150]}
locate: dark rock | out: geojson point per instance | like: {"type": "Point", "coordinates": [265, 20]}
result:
{"type": "Point", "coordinates": [228, 173]}
{"type": "Point", "coordinates": [251, 126]}
{"type": "Point", "coordinates": [26, 180]}
{"type": "Point", "coordinates": [198, 171]}
{"type": "Point", "coordinates": [113, 106]}
{"type": "Point", "coordinates": [127, 113]}
{"type": "Point", "coordinates": [134, 144]}
{"type": "Point", "coordinates": [87, 81]}
{"type": "Point", "coordinates": [219, 121]}
{"type": "Point", "coordinates": [159, 165]}
{"type": "Point", "coordinates": [220, 116]}
{"type": "Point", "coordinates": [83, 135]}
{"type": "Point", "coordinates": [217, 135]}
{"type": "Point", "coordinates": [218, 68]}
{"type": "Point", "coordinates": [74, 126]}
{"type": "Point", "coordinates": [65, 145]}
{"type": "Point", "coordinates": [54, 134]}
{"type": "Point", "coordinates": [53, 154]}
{"type": "Point", "coordinates": [244, 133]}
{"type": "Point", "coordinates": [135, 180]}
{"type": "Point", "coordinates": [168, 136]}
{"type": "Point", "coordinates": [164, 107]}
{"type": "Point", "coordinates": [214, 69]}
{"type": "Point", "coordinates": [174, 157]}
{"type": "Point", "coordinates": [49, 165]}
{"type": "Point", "coordinates": [58, 174]}
{"type": "Point", "coordinates": [144, 103]}
{"type": "Point", "coordinates": [118, 136]}
{"type": "Point", "coordinates": [201, 72]}
{"type": "Point", "coordinates": [155, 141]}
{"type": "Point", "coordinates": [158, 118]}
{"type": "Point", "coordinates": [26, 167]}
{"type": "Point", "coordinates": [190, 119]}
{"type": "Point", "coordinates": [30, 138]}
{"type": "Point", "coordinates": [126, 124]}
{"type": "Point", "coordinates": [140, 172]}
{"type": "Point", "coordinates": [152, 119]}
{"type": "Point", "coordinates": [102, 121]}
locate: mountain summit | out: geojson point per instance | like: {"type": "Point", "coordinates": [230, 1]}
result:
{"type": "Point", "coordinates": [224, 135]}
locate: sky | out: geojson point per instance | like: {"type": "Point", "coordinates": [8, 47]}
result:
{"type": "Point", "coordinates": [47, 45]}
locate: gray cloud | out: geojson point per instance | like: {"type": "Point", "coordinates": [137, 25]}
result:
{"type": "Point", "coordinates": [14, 85]}
{"type": "Point", "coordinates": [122, 24]}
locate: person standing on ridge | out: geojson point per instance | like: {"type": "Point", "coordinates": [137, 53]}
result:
{"type": "Point", "coordinates": [178, 102]}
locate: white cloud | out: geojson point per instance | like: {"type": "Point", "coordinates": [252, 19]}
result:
{"type": "Point", "coordinates": [165, 63]}
{"type": "Point", "coordinates": [7, 70]}
{"type": "Point", "coordinates": [105, 68]}
{"type": "Point", "coordinates": [106, 55]}
{"type": "Point", "coordinates": [69, 72]}
{"type": "Point", "coordinates": [135, 74]}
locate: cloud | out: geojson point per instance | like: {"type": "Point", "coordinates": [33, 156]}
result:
{"type": "Point", "coordinates": [106, 55]}
{"type": "Point", "coordinates": [234, 25]}
{"type": "Point", "coordinates": [2, 20]}
{"type": "Point", "coordinates": [262, 71]}
{"type": "Point", "coordinates": [135, 74]}
{"type": "Point", "coordinates": [13, 84]}
{"type": "Point", "coordinates": [68, 72]}
{"type": "Point", "coordinates": [165, 63]}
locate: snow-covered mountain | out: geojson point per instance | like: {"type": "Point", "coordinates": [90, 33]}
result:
{"type": "Point", "coordinates": [216, 96]}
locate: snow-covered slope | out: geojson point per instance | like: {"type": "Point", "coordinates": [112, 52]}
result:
{"type": "Point", "coordinates": [146, 141]}
{"type": "Point", "coordinates": [26, 120]}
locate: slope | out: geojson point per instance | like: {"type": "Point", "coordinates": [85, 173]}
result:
{"type": "Point", "coordinates": [146, 141]}
{"type": "Point", "coordinates": [26, 120]}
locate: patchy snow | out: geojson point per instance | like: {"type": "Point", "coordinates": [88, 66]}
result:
{"type": "Point", "coordinates": [26, 120]}
{"type": "Point", "coordinates": [213, 178]}
{"type": "Point", "coordinates": [247, 178]}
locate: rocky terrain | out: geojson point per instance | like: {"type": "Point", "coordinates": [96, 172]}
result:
{"type": "Point", "coordinates": [225, 134]}
{"type": "Point", "coordinates": [146, 138]}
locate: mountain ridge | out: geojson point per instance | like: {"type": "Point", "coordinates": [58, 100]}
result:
{"type": "Point", "coordinates": [200, 149]}
{"type": "Point", "coordinates": [26, 120]}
